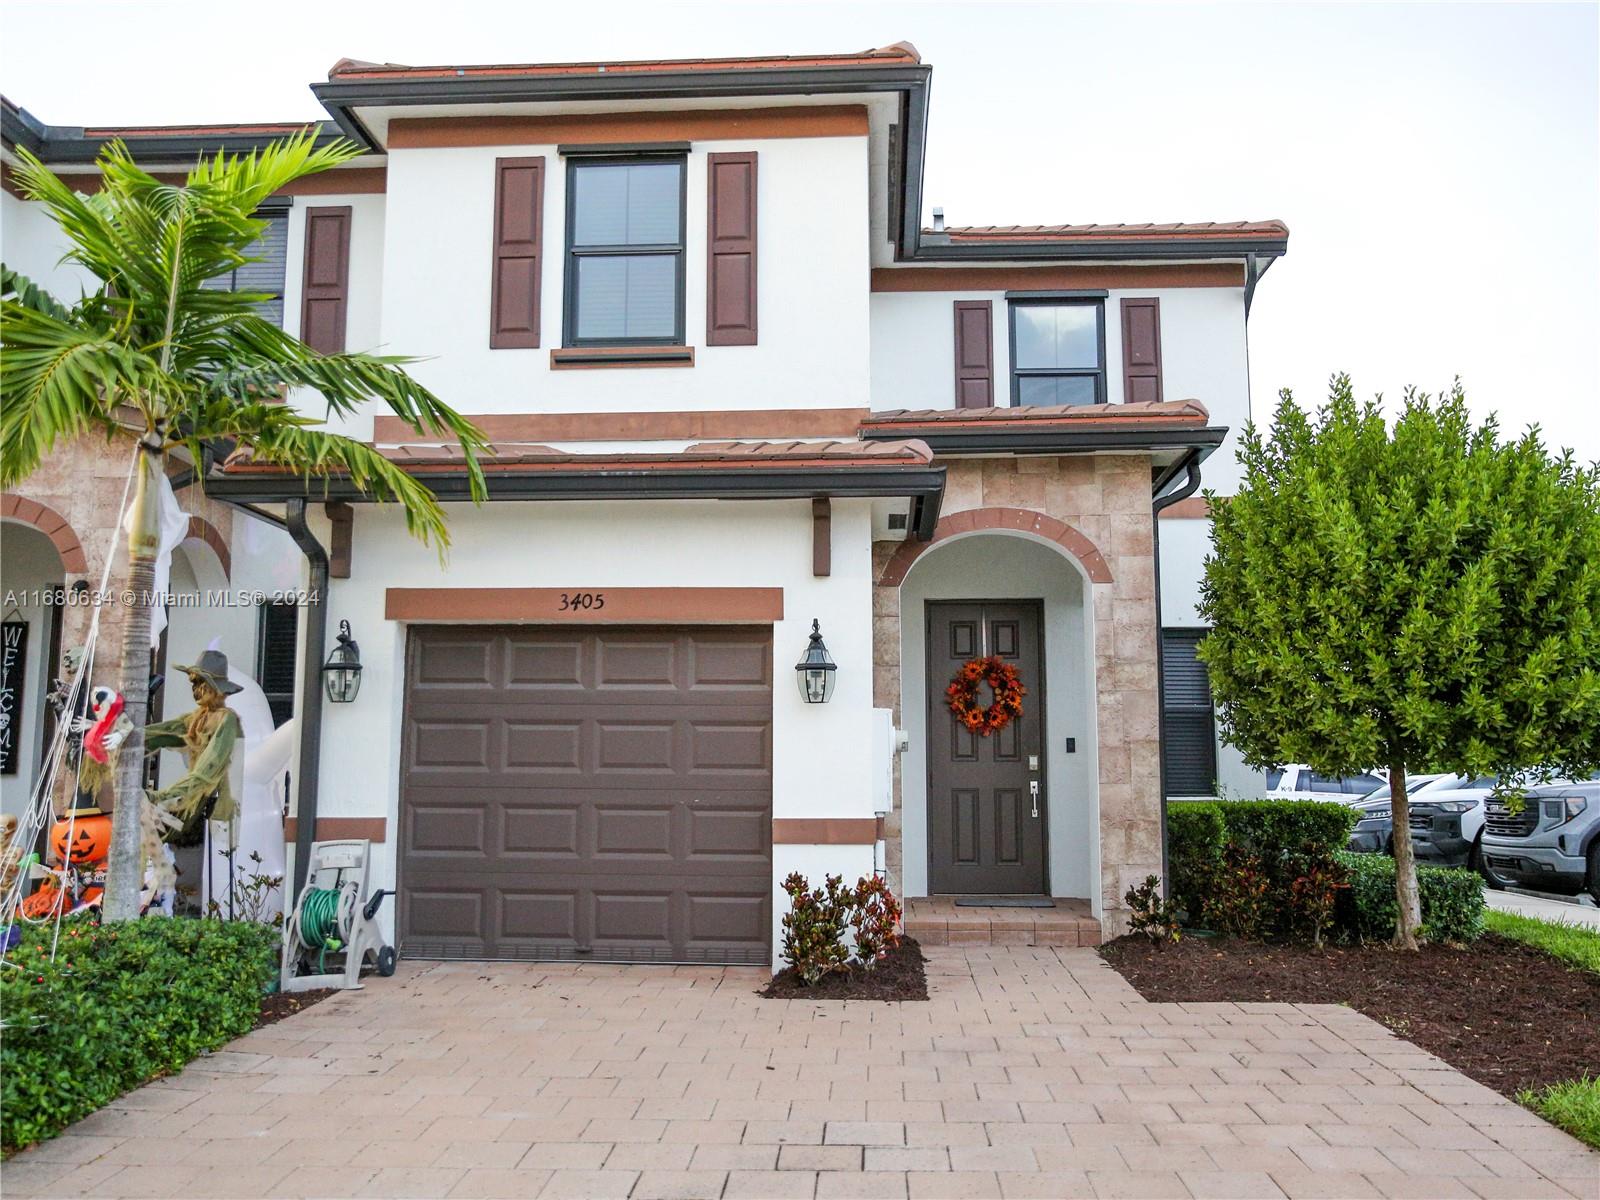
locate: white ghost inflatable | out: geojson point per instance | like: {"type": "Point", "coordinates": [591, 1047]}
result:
{"type": "Point", "coordinates": [260, 782]}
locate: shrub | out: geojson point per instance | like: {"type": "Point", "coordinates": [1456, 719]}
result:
{"type": "Point", "coordinates": [1452, 900]}
{"type": "Point", "coordinates": [1152, 916]}
{"type": "Point", "coordinates": [875, 917]}
{"type": "Point", "coordinates": [121, 1005]}
{"type": "Point", "coordinates": [1257, 868]}
{"type": "Point", "coordinates": [813, 928]}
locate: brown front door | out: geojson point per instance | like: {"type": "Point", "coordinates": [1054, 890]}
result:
{"type": "Point", "coordinates": [587, 793]}
{"type": "Point", "coordinates": [985, 823]}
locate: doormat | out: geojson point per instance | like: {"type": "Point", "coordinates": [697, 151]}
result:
{"type": "Point", "coordinates": [1005, 902]}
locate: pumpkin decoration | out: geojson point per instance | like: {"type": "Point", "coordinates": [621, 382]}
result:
{"type": "Point", "coordinates": [81, 837]}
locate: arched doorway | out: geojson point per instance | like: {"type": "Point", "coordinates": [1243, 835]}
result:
{"type": "Point", "coordinates": [967, 820]}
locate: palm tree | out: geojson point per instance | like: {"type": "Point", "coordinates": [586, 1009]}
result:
{"type": "Point", "coordinates": [159, 354]}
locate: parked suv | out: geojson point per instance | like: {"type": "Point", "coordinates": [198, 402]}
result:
{"type": "Point", "coordinates": [1447, 820]}
{"type": "Point", "coordinates": [1551, 845]}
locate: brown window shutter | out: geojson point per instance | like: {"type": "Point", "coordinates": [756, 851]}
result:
{"type": "Point", "coordinates": [731, 249]}
{"type": "Point", "coordinates": [974, 354]}
{"type": "Point", "coordinates": [325, 289]}
{"type": "Point", "coordinates": [518, 241]}
{"type": "Point", "coordinates": [1141, 349]}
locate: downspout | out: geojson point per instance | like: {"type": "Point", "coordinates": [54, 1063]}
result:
{"type": "Point", "coordinates": [316, 617]}
{"type": "Point", "coordinates": [1190, 467]}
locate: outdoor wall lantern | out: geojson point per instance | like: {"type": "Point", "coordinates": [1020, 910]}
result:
{"type": "Point", "coordinates": [341, 674]}
{"type": "Point", "coordinates": [815, 672]}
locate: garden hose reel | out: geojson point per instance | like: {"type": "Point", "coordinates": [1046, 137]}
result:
{"type": "Point", "coordinates": [332, 929]}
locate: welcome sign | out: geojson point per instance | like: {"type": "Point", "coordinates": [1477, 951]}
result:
{"type": "Point", "coordinates": [13, 668]}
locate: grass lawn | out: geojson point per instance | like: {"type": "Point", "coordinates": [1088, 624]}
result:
{"type": "Point", "coordinates": [1572, 944]}
{"type": "Point", "coordinates": [1575, 1106]}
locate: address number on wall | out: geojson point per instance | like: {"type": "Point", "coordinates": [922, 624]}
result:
{"type": "Point", "coordinates": [577, 601]}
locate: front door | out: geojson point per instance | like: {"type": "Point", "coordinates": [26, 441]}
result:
{"type": "Point", "coordinates": [986, 796]}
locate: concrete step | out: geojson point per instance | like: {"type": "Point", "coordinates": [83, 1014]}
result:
{"type": "Point", "coordinates": [937, 921]}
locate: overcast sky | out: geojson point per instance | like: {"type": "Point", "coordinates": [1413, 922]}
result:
{"type": "Point", "coordinates": [1438, 165]}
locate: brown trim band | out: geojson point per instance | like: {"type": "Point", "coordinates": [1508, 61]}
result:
{"type": "Point", "coordinates": [330, 829]}
{"type": "Point", "coordinates": [741, 424]}
{"type": "Point", "coordinates": [1056, 278]}
{"type": "Point", "coordinates": [344, 181]}
{"type": "Point", "coordinates": [589, 606]}
{"type": "Point", "coordinates": [824, 831]}
{"type": "Point", "coordinates": [832, 120]}
{"type": "Point", "coordinates": [1193, 507]}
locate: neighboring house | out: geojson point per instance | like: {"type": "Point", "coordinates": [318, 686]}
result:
{"type": "Point", "coordinates": [734, 388]}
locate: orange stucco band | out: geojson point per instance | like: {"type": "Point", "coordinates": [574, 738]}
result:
{"type": "Point", "coordinates": [826, 831]}
{"type": "Point", "coordinates": [1024, 520]}
{"type": "Point", "coordinates": [50, 523]}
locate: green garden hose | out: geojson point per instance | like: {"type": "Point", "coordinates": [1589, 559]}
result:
{"type": "Point", "coordinates": [320, 926]}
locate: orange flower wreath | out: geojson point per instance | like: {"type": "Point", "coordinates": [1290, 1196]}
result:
{"type": "Point", "coordinates": [1008, 693]}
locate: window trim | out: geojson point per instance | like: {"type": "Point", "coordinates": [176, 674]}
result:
{"type": "Point", "coordinates": [569, 308]}
{"type": "Point", "coordinates": [1098, 374]}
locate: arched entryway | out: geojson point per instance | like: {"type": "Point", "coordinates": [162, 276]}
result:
{"type": "Point", "coordinates": [34, 570]}
{"type": "Point", "coordinates": [999, 583]}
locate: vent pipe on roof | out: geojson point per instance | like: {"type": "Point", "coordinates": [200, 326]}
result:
{"type": "Point", "coordinates": [938, 220]}
{"type": "Point", "coordinates": [937, 235]}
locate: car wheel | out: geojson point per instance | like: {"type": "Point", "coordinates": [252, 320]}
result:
{"type": "Point", "coordinates": [1594, 872]}
{"type": "Point", "coordinates": [1475, 863]}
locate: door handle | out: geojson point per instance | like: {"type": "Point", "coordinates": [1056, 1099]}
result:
{"type": "Point", "coordinates": [1033, 790]}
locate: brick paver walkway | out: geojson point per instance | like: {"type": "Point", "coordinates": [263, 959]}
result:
{"type": "Point", "coordinates": [1032, 1072]}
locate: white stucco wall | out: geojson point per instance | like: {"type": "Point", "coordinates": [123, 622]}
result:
{"type": "Point", "coordinates": [30, 242]}
{"type": "Point", "coordinates": [28, 564]}
{"type": "Point", "coordinates": [822, 754]}
{"type": "Point", "coordinates": [1010, 566]}
{"type": "Point", "coordinates": [812, 283]}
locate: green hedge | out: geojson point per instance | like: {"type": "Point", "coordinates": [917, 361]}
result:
{"type": "Point", "coordinates": [1452, 900]}
{"type": "Point", "coordinates": [121, 1005]}
{"type": "Point", "coordinates": [1233, 865]}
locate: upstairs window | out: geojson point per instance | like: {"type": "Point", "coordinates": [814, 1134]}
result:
{"type": "Point", "coordinates": [625, 234]}
{"type": "Point", "coordinates": [271, 250]}
{"type": "Point", "coordinates": [1058, 352]}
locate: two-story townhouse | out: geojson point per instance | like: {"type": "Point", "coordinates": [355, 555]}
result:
{"type": "Point", "coordinates": [737, 394]}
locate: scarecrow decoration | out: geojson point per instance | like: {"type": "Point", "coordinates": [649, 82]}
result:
{"type": "Point", "coordinates": [207, 736]}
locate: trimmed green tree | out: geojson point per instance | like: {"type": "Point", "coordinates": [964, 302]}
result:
{"type": "Point", "coordinates": [156, 354]}
{"type": "Point", "coordinates": [1422, 598]}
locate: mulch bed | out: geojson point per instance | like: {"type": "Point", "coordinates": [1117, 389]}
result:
{"type": "Point", "coordinates": [1502, 1012]}
{"type": "Point", "coordinates": [279, 1005]}
{"type": "Point", "coordinates": [897, 976]}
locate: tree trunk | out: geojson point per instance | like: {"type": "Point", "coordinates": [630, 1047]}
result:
{"type": "Point", "coordinates": [124, 868]}
{"type": "Point", "coordinates": [1408, 911]}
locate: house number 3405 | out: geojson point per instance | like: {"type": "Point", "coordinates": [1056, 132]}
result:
{"type": "Point", "coordinates": [573, 601]}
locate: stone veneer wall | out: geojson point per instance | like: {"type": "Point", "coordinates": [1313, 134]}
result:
{"type": "Point", "coordinates": [83, 484]}
{"type": "Point", "coordinates": [1106, 499]}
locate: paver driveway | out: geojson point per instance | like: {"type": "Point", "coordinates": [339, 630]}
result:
{"type": "Point", "coordinates": [1031, 1072]}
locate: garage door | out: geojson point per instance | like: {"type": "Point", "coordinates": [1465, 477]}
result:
{"type": "Point", "coordinates": [599, 794]}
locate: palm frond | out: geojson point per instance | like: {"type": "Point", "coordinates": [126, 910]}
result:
{"type": "Point", "coordinates": [58, 381]}
{"type": "Point", "coordinates": [278, 436]}
{"type": "Point", "coordinates": [18, 287]}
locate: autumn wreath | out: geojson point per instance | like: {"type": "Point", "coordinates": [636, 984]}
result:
{"type": "Point", "coordinates": [1001, 676]}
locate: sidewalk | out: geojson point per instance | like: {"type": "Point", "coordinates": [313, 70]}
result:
{"type": "Point", "coordinates": [1566, 912]}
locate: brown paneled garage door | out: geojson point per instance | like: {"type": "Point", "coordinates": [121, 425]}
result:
{"type": "Point", "coordinates": [594, 793]}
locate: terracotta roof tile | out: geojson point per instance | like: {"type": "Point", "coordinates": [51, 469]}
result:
{"type": "Point", "coordinates": [1166, 412]}
{"type": "Point", "coordinates": [349, 68]}
{"type": "Point", "coordinates": [1196, 231]}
